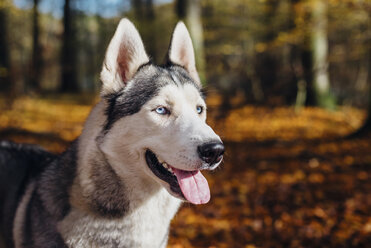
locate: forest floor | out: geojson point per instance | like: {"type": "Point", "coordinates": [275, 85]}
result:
{"type": "Point", "coordinates": [289, 179]}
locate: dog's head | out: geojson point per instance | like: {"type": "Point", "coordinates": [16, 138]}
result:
{"type": "Point", "coordinates": [156, 115]}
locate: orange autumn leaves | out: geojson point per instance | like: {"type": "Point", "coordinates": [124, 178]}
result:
{"type": "Point", "coordinates": [66, 117]}
{"type": "Point", "coordinates": [288, 179]}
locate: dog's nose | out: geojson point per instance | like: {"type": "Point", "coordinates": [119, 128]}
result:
{"type": "Point", "coordinates": [211, 153]}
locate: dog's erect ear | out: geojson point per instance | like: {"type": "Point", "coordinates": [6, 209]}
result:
{"type": "Point", "coordinates": [181, 50]}
{"type": "Point", "coordinates": [125, 54]}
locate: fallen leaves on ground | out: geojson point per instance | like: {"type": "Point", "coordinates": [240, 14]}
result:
{"type": "Point", "coordinates": [288, 180]}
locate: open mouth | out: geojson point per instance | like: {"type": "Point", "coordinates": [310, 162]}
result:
{"type": "Point", "coordinates": [189, 185]}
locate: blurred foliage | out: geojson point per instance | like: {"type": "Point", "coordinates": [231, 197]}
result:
{"type": "Point", "coordinates": [288, 179]}
{"type": "Point", "coordinates": [251, 46]}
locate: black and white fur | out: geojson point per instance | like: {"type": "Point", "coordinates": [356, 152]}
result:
{"type": "Point", "coordinates": [102, 191]}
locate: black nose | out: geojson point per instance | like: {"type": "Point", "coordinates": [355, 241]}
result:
{"type": "Point", "coordinates": [211, 153]}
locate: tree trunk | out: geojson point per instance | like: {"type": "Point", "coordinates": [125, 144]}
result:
{"type": "Point", "coordinates": [144, 13]}
{"type": "Point", "coordinates": [256, 87]}
{"type": "Point", "coordinates": [5, 66]}
{"type": "Point", "coordinates": [36, 64]}
{"type": "Point", "coordinates": [181, 8]}
{"type": "Point", "coordinates": [138, 8]}
{"type": "Point", "coordinates": [319, 52]}
{"type": "Point", "coordinates": [191, 11]}
{"type": "Point", "coordinates": [365, 129]}
{"type": "Point", "coordinates": [68, 56]}
{"type": "Point", "coordinates": [149, 22]}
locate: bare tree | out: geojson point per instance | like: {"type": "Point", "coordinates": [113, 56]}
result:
{"type": "Point", "coordinates": [5, 66]}
{"type": "Point", "coordinates": [138, 8]}
{"type": "Point", "coordinates": [149, 22]}
{"type": "Point", "coordinates": [365, 129]}
{"type": "Point", "coordinates": [319, 51]}
{"type": "Point", "coordinates": [144, 14]}
{"type": "Point", "coordinates": [37, 61]}
{"type": "Point", "coordinates": [68, 56]}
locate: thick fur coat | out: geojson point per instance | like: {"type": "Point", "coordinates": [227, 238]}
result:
{"type": "Point", "coordinates": [139, 156]}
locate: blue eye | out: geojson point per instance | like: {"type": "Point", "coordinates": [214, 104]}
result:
{"type": "Point", "coordinates": [162, 111]}
{"type": "Point", "coordinates": [199, 109]}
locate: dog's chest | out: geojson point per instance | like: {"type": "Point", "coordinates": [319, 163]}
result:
{"type": "Point", "coordinates": [146, 226]}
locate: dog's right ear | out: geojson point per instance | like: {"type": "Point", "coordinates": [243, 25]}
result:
{"type": "Point", "coordinates": [125, 54]}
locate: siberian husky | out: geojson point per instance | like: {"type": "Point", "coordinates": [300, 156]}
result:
{"type": "Point", "coordinates": [139, 156]}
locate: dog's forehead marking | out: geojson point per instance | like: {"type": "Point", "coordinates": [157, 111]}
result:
{"type": "Point", "coordinates": [175, 78]}
{"type": "Point", "coordinates": [174, 94]}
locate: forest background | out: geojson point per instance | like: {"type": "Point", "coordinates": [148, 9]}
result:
{"type": "Point", "coordinates": [288, 87]}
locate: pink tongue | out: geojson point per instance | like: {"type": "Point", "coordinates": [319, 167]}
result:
{"type": "Point", "coordinates": [193, 185]}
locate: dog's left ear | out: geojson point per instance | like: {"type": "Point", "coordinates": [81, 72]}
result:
{"type": "Point", "coordinates": [125, 54]}
{"type": "Point", "coordinates": [181, 51]}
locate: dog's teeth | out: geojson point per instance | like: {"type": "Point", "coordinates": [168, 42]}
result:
{"type": "Point", "coordinates": [166, 166]}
